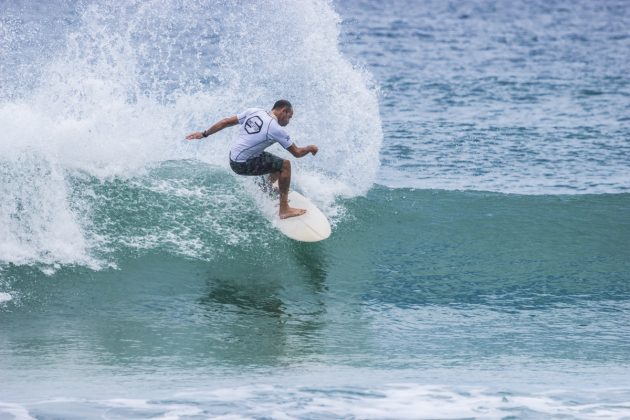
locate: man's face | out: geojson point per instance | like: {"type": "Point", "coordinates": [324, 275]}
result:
{"type": "Point", "coordinates": [285, 116]}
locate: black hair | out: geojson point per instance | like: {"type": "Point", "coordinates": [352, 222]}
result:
{"type": "Point", "coordinates": [282, 103]}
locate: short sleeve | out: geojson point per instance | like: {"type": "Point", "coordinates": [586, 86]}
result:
{"type": "Point", "coordinates": [277, 133]}
{"type": "Point", "coordinates": [243, 114]}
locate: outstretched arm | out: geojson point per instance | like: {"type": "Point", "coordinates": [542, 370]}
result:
{"type": "Point", "coordinates": [298, 152]}
{"type": "Point", "coordinates": [218, 126]}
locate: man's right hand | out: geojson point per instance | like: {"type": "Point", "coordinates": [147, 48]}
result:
{"type": "Point", "coordinates": [197, 135]}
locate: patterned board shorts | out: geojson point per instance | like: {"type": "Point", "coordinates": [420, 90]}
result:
{"type": "Point", "coordinates": [263, 164]}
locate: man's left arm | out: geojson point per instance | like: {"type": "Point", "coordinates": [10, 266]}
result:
{"type": "Point", "coordinates": [299, 152]}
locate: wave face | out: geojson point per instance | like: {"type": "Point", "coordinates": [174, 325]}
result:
{"type": "Point", "coordinates": [440, 302]}
{"type": "Point", "coordinates": [97, 95]}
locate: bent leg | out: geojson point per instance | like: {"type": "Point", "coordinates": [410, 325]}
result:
{"type": "Point", "coordinates": [284, 180]}
{"type": "Point", "coordinates": [278, 169]}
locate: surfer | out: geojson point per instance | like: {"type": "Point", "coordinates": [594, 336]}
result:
{"type": "Point", "coordinates": [260, 129]}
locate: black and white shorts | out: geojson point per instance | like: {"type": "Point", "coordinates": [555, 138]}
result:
{"type": "Point", "coordinates": [262, 164]}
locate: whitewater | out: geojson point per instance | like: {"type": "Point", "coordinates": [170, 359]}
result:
{"type": "Point", "coordinates": [113, 102]}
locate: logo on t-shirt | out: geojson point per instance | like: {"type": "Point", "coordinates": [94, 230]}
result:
{"type": "Point", "coordinates": [253, 125]}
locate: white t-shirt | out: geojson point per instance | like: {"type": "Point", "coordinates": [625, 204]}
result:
{"type": "Point", "coordinates": [258, 131]}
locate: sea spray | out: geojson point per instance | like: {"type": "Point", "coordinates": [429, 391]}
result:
{"type": "Point", "coordinates": [122, 85]}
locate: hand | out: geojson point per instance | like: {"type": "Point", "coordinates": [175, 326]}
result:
{"type": "Point", "coordinates": [314, 149]}
{"type": "Point", "coordinates": [197, 135]}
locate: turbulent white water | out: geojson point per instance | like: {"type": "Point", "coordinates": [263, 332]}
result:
{"type": "Point", "coordinates": [109, 91]}
{"type": "Point", "coordinates": [400, 401]}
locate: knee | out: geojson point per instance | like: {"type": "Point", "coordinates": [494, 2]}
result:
{"type": "Point", "coordinates": [286, 166]}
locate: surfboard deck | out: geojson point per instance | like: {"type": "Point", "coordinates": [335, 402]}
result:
{"type": "Point", "coordinates": [312, 226]}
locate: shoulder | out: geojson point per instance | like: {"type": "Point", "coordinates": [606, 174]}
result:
{"type": "Point", "coordinates": [279, 134]}
{"type": "Point", "coordinates": [276, 129]}
{"type": "Point", "coordinates": [246, 113]}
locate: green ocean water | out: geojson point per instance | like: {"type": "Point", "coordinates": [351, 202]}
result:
{"type": "Point", "coordinates": [410, 280]}
{"type": "Point", "coordinates": [455, 288]}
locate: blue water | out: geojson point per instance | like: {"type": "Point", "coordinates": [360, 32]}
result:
{"type": "Point", "coordinates": [474, 162]}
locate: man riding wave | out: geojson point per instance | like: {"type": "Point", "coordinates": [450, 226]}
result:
{"type": "Point", "coordinates": [260, 129]}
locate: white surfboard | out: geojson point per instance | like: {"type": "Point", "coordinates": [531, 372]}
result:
{"type": "Point", "coordinates": [312, 226]}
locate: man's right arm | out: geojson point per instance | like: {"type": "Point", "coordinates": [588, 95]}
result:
{"type": "Point", "coordinates": [218, 126]}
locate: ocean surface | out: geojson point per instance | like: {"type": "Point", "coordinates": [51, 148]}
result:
{"type": "Point", "coordinates": [474, 162]}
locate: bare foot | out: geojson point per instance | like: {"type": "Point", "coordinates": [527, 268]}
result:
{"type": "Point", "coordinates": [291, 212]}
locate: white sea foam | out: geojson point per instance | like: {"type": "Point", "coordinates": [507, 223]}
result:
{"type": "Point", "coordinates": [16, 411]}
{"type": "Point", "coordinates": [5, 297]}
{"type": "Point", "coordinates": [399, 401]}
{"type": "Point", "coordinates": [37, 220]}
{"type": "Point", "coordinates": [131, 81]}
